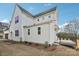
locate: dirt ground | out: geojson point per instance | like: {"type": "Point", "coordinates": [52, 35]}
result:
{"type": "Point", "coordinates": [20, 49]}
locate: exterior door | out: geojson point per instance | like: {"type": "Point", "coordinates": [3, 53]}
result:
{"type": "Point", "coordinates": [6, 36]}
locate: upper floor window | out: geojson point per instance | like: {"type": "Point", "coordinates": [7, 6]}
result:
{"type": "Point", "coordinates": [39, 30]}
{"type": "Point", "coordinates": [16, 19]}
{"type": "Point", "coordinates": [16, 32]}
{"type": "Point", "coordinates": [37, 19]}
{"type": "Point", "coordinates": [49, 16]}
{"type": "Point", "coordinates": [43, 17]}
{"type": "Point", "coordinates": [28, 31]}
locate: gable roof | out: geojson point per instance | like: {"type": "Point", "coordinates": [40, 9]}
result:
{"type": "Point", "coordinates": [42, 13]}
{"type": "Point", "coordinates": [47, 11]}
{"type": "Point", "coordinates": [23, 10]}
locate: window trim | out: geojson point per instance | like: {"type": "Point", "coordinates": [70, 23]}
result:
{"type": "Point", "coordinates": [16, 32]}
{"type": "Point", "coordinates": [37, 19]}
{"type": "Point", "coordinates": [39, 30]}
{"type": "Point", "coordinates": [28, 31]}
{"type": "Point", "coordinates": [16, 19]}
{"type": "Point", "coordinates": [49, 16]}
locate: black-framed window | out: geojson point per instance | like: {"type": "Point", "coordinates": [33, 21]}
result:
{"type": "Point", "coordinates": [37, 19]}
{"type": "Point", "coordinates": [16, 19]}
{"type": "Point", "coordinates": [16, 32]}
{"type": "Point", "coordinates": [28, 31]}
{"type": "Point", "coordinates": [49, 16]}
{"type": "Point", "coordinates": [39, 30]}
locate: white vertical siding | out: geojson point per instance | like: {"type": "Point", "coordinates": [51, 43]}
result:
{"type": "Point", "coordinates": [16, 26]}
{"type": "Point", "coordinates": [34, 37]}
{"type": "Point", "coordinates": [47, 30]}
{"type": "Point", "coordinates": [45, 17]}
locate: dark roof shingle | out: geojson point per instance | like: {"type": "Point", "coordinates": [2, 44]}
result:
{"type": "Point", "coordinates": [42, 13]}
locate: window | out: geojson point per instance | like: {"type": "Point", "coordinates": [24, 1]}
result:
{"type": "Point", "coordinates": [28, 31]}
{"type": "Point", "coordinates": [39, 30]}
{"type": "Point", "coordinates": [43, 17]}
{"type": "Point", "coordinates": [16, 32]}
{"type": "Point", "coordinates": [16, 19]}
{"type": "Point", "coordinates": [37, 19]}
{"type": "Point", "coordinates": [49, 16]}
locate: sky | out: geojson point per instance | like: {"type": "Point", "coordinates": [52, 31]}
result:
{"type": "Point", "coordinates": [66, 12]}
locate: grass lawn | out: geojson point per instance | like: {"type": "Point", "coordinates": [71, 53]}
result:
{"type": "Point", "coordinates": [18, 49]}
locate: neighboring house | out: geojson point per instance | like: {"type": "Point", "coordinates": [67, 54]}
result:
{"type": "Point", "coordinates": [6, 34]}
{"type": "Point", "coordinates": [38, 28]}
{"type": "Point", "coordinates": [1, 33]}
{"type": "Point", "coordinates": [3, 27]}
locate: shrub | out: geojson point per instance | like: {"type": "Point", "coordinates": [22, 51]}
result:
{"type": "Point", "coordinates": [66, 36]}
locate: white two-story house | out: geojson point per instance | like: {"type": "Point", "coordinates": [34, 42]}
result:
{"type": "Point", "coordinates": [38, 28]}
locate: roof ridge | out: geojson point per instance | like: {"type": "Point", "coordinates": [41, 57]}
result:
{"type": "Point", "coordinates": [46, 11]}
{"type": "Point", "coordinates": [23, 10]}
{"type": "Point", "coordinates": [39, 14]}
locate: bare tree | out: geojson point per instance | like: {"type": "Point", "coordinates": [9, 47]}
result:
{"type": "Point", "coordinates": [73, 27]}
